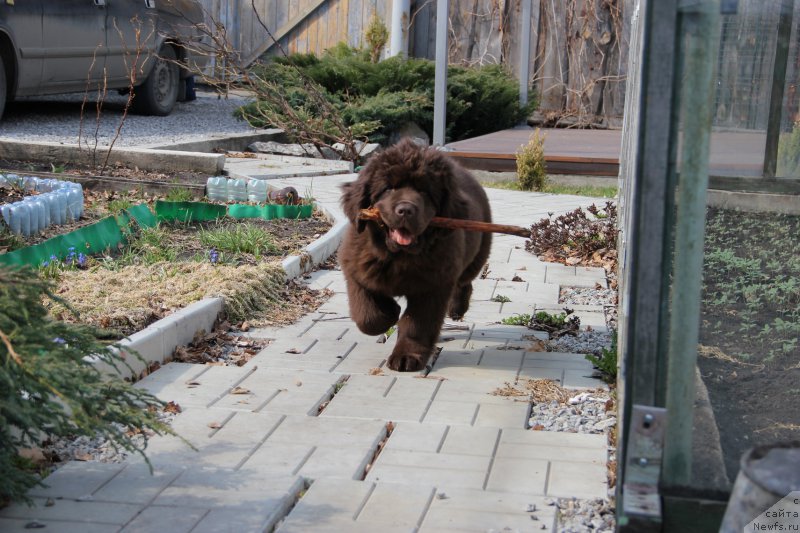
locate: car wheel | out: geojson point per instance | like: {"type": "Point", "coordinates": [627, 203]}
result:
{"type": "Point", "coordinates": [159, 92]}
{"type": "Point", "coordinates": [3, 94]}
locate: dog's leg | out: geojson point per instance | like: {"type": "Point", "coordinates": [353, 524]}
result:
{"type": "Point", "coordinates": [418, 331]}
{"type": "Point", "coordinates": [373, 313]}
{"type": "Point", "coordinates": [459, 303]}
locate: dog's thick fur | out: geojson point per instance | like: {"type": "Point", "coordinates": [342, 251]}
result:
{"type": "Point", "coordinates": [432, 267]}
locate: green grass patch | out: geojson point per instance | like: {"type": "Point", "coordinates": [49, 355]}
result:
{"type": "Point", "coordinates": [592, 191]}
{"type": "Point", "coordinates": [239, 239]}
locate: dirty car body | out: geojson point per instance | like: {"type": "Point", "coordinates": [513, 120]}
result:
{"type": "Point", "coordinates": [66, 46]}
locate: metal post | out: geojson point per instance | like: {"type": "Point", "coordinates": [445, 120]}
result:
{"type": "Point", "coordinates": [400, 17]}
{"type": "Point", "coordinates": [776, 94]}
{"type": "Point", "coordinates": [524, 52]}
{"type": "Point", "coordinates": [440, 84]}
{"type": "Point", "coordinates": [701, 21]}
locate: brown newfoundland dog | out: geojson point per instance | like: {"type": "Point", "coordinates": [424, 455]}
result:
{"type": "Point", "coordinates": [432, 267]}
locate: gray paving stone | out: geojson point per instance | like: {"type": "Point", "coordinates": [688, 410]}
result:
{"type": "Point", "coordinates": [477, 391]}
{"type": "Point", "coordinates": [73, 511]}
{"type": "Point", "coordinates": [524, 476]}
{"type": "Point", "coordinates": [471, 441]}
{"type": "Point", "coordinates": [155, 518]}
{"type": "Point", "coordinates": [77, 479]}
{"type": "Point", "coordinates": [500, 331]}
{"type": "Point", "coordinates": [447, 412]}
{"type": "Point", "coordinates": [511, 414]}
{"type": "Point", "coordinates": [582, 379]}
{"type": "Point", "coordinates": [556, 360]}
{"type": "Point", "coordinates": [15, 525]}
{"type": "Point", "coordinates": [482, 511]}
{"type": "Point", "coordinates": [332, 432]}
{"type": "Point", "coordinates": [204, 389]}
{"type": "Point", "coordinates": [396, 505]}
{"type": "Point", "coordinates": [329, 502]}
{"type": "Point", "coordinates": [542, 372]}
{"type": "Point", "coordinates": [137, 484]}
{"type": "Point", "coordinates": [494, 358]}
{"type": "Point", "coordinates": [246, 491]}
{"type": "Point", "coordinates": [271, 390]}
{"type": "Point", "coordinates": [483, 289]}
{"type": "Point", "coordinates": [411, 436]}
{"type": "Point", "coordinates": [436, 469]}
{"type": "Point", "coordinates": [278, 458]}
{"type": "Point", "coordinates": [577, 480]}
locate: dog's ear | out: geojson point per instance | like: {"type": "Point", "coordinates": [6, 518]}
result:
{"type": "Point", "coordinates": [355, 197]}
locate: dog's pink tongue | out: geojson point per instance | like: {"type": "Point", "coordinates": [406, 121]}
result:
{"type": "Point", "coordinates": [401, 237]}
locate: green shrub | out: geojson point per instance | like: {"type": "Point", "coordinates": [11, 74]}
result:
{"type": "Point", "coordinates": [376, 36]}
{"type": "Point", "coordinates": [531, 169]}
{"type": "Point", "coordinates": [373, 98]}
{"type": "Point", "coordinates": [606, 362]}
{"type": "Point", "coordinates": [48, 389]}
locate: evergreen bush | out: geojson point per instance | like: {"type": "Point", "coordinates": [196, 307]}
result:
{"type": "Point", "coordinates": [48, 388]}
{"type": "Point", "coordinates": [531, 170]}
{"type": "Point", "coordinates": [373, 98]}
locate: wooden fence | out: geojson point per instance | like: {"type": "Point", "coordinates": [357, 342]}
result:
{"type": "Point", "coordinates": [578, 52]}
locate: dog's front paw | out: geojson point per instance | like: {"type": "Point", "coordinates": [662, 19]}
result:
{"type": "Point", "coordinates": [407, 362]}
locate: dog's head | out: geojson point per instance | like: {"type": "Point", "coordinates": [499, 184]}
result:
{"type": "Point", "coordinates": [409, 185]}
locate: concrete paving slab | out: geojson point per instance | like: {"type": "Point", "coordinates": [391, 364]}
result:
{"type": "Point", "coordinates": [137, 484]}
{"type": "Point", "coordinates": [153, 519]}
{"type": "Point", "coordinates": [24, 525]}
{"type": "Point", "coordinates": [481, 511]}
{"type": "Point", "coordinates": [73, 511]}
{"type": "Point", "coordinates": [77, 479]}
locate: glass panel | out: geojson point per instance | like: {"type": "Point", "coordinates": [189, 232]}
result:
{"type": "Point", "coordinates": [749, 357]}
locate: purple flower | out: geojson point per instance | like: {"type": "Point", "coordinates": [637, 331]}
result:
{"type": "Point", "coordinates": [59, 340]}
{"type": "Point", "coordinates": [213, 256]}
{"type": "Point", "coordinates": [82, 260]}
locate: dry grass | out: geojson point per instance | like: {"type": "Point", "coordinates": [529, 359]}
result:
{"type": "Point", "coordinates": [129, 299]}
{"type": "Point", "coordinates": [713, 352]}
{"type": "Point", "coordinates": [536, 390]}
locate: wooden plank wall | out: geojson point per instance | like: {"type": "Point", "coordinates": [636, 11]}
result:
{"type": "Point", "coordinates": [579, 48]}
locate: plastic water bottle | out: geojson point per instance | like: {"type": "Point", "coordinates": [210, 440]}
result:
{"type": "Point", "coordinates": [40, 214]}
{"type": "Point", "coordinates": [20, 219]}
{"type": "Point", "coordinates": [29, 183]}
{"type": "Point", "coordinates": [74, 203]}
{"type": "Point", "coordinates": [5, 212]}
{"type": "Point", "coordinates": [257, 191]}
{"type": "Point", "coordinates": [13, 180]}
{"type": "Point", "coordinates": [217, 189]}
{"type": "Point", "coordinates": [237, 190]}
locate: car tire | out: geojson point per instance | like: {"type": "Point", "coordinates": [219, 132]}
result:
{"type": "Point", "coordinates": [3, 94]}
{"type": "Point", "coordinates": [159, 92]}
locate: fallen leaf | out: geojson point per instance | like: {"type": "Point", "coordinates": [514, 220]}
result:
{"type": "Point", "coordinates": [375, 372]}
{"type": "Point", "coordinates": [538, 427]}
{"type": "Point", "coordinates": [537, 346]}
{"type": "Point", "coordinates": [293, 350]}
{"type": "Point", "coordinates": [240, 390]}
{"type": "Point", "coordinates": [172, 407]}
{"type": "Point", "coordinates": [83, 456]}
{"type": "Point", "coordinates": [572, 261]}
{"type": "Point", "coordinates": [245, 326]}
{"type": "Point", "coordinates": [192, 384]}
{"type": "Point", "coordinates": [214, 425]}
{"type": "Point", "coordinates": [517, 278]}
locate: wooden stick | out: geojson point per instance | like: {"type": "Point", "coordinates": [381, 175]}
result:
{"type": "Point", "coordinates": [457, 223]}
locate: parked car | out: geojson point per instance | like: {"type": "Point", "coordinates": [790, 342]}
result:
{"type": "Point", "coordinates": [49, 47]}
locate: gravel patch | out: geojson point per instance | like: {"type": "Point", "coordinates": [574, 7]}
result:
{"type": "Point", "coordinates": [579, 516]}
{"type": "Point", "coordinates": [584, 342]}
{"type": "Point", "coordinates": [584, 413]}
{"type": "Point", "coordinates": [58, 119]}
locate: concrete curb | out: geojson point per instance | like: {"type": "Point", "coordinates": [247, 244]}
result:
{"type": "Point", "coordinates": [236, 143]}
{"type": "Point", "coordinates": [144, 158]}
{"type": "Point", "coordinates": [157, 342]}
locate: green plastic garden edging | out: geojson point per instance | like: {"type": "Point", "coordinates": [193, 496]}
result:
{"type": "Point", "coordinates": [90, 239]}
{"type": "Point", "coordinates": [113, 230]}
{"type": "Point", "coordinates": [198, 211]}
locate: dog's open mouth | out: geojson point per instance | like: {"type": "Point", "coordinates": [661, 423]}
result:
{"type": "Point", "coordinates": [401, 236]}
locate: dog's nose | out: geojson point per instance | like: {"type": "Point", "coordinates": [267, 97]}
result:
{"type": "Point", "coordinates": [405, 209]}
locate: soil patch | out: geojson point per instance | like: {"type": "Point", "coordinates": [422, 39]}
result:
{"type": "Point", "coordinates": [749, 358]}
{"type": "Point", "coordinates": [63, 171]}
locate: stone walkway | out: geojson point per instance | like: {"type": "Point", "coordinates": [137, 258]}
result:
{"type": "Point", "coordinates": [315, 434]}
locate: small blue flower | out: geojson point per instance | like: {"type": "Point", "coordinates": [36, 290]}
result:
{"type": "Point", "coordinates": [71, 249]}
{"type": "Point", "coordinates": [213, 256]}
{"type": "Point", "coordinates": [53, 258]}
{"type": "Point", "coordinates": [82, 260]}
{"type": "Point", "coordinates": [59, 340]}
{"type": "Point", "coordinates": [45, 263]}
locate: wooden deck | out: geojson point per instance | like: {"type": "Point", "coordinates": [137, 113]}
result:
{"type": "Point", "coordinates": [596, 152]}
